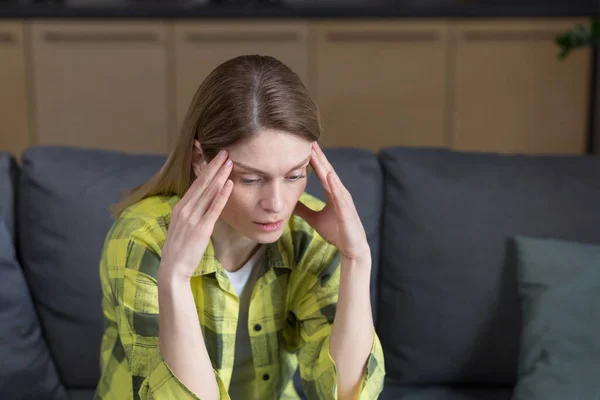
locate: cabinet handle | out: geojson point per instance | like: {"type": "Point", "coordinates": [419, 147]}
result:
{"type": "Point", "coordinates": [100, 37]}
{"type": "Point", "coordinates": [510, 36]}
{"type": "Point", "coordinates": [242, 37]}
{"type": "Point", "coordinates": [7, 38]}
{"type": "Point", "coordinates": [383, 36]}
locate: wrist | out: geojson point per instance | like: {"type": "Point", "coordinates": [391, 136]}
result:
{"type": "Point", "coordinates": [361, 259]}
{"type": "Point", "coordinates": [168, 281]}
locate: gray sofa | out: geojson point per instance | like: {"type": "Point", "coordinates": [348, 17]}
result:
{"type": "Point", "coordinates": [439, 222]}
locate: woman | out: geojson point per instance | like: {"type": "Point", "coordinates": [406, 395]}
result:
{"type": "Point", "coordinates": [253, 276]}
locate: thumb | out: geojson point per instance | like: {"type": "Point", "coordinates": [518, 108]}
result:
{"type": "Point", "coordinates": [305, 213]}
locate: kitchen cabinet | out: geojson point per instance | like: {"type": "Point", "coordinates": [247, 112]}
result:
{"type": "Point", "coordinates": [382, 83]}
{"type": "Point", "coordinates": [201, 46]}
{"type": "Point", "coordinates": [101, 84]}
{"type": "Point", "coordinates": [510, 92]}
{"type": "Point", "coordinates": [14, 97]}
{"type": "Point", "coordinates": [475, 85]}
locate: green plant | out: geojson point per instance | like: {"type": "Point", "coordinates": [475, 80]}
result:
{"type": "Point", "coordinates": [578, 36]}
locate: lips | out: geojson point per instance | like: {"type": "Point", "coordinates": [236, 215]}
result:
{"type": "Point", "coordinates": [269, 226]}
{"type": "Point", "coordinates": [268, 222]}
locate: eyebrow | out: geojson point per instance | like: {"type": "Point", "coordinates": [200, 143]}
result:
{"type": "Point", "coordinates": [258, 171]}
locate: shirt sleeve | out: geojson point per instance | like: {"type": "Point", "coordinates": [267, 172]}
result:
{"type": "Point", "coordinates": [315, 312]}
{"type": "Point", "coordinates": [129, 265]}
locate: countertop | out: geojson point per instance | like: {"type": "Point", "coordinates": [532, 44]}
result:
{"type": "Point", "coordinates": [308, 9]}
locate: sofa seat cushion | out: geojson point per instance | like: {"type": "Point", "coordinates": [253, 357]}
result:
{"type": "Point", "coordinates": [26, 368]}
{"type": "Point", "coordinates": [449, 304]}
{"type": "Point", "coordinates": [399, 392]}
{"type": "Point", "coordinates": [81, 394]}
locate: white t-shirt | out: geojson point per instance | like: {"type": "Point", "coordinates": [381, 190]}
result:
{"type": "Point", "coordinates": [243, 379]}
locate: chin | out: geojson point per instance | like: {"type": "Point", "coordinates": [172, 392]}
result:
{"type": "Point", "coordinates": [266, 238]}
{"type": "Point", "coordinates": [267, 241]}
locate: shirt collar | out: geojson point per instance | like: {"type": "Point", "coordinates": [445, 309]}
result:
{"type": "Point", "coordinates": [271, 259]}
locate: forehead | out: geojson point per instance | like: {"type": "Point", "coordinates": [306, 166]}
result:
{"type": "Point", "coordinates": [271, 151]}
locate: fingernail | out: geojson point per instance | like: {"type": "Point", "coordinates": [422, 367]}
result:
{"type": "Point", "coordinates": [228, 163]}
{"type": "Point", "coordinates": [222, 153]}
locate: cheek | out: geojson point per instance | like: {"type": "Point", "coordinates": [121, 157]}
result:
{"type": "Point", "coordinates": [302, 187]}
{"type": "Point", "coordinates": [295, 193]}
{"type": "Point", "coordinates": [239, 201]}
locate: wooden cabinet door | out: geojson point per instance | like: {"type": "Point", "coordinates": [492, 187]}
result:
{"type": "Point", "coordinates": [14, 99]}
{"type": "Point", "coordinates": [513, 95]}
{"type": "Point", "coordinates": [382, 83]}
{"type": "Point", "coordinates": [203, 45]}
{"type": "Point", "coordinates": [101, 85]}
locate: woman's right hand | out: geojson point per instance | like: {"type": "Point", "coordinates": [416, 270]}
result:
{"type": "Point", "coordinates": [193, 219]}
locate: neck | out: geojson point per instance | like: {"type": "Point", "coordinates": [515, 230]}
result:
{"type": "Point", "coordinates": [231, 249]}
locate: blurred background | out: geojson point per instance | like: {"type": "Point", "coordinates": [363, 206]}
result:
{"type": "Point", "coordinates": [469, 75]}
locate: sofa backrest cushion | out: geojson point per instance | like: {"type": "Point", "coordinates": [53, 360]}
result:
{"type": "Point", "coordinates": [27, 370]}
{"type": "Point", "coordinates": [449, 305]}
{"type": "Point", "coordinates": [8, 175]}
{"type": "Point", "coordinates": [65, 194]}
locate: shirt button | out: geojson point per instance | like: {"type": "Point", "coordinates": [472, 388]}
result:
{"type": "Point", "coordinates": [266, 377]}
{"type": "Point", "coordinates": [257, 327]}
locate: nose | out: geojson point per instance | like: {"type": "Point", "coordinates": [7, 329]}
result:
{"type": "Point", "coordinates": [272, 199]}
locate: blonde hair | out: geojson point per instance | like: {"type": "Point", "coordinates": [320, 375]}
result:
{"type": "Point", "coordinates": [237, 99]}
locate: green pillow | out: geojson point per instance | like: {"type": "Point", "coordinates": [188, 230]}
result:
{"type": "Point", "coordinates": [559, 287]}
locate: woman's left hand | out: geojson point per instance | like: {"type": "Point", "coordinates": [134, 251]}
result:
{"type": "Point", "coordinates": [338, 222]}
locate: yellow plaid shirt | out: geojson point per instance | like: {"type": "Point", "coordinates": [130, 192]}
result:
{"type": "Point", "coordinates": [290, 316]}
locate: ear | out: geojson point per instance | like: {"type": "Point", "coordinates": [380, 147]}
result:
{"type": "Point", "coordinates": [198, 162]}
{"type": "Point", "coordinates": [197, 149]}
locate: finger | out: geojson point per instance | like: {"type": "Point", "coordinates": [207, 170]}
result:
{"type": "Point", "coordinates": [213, 189]}
{"type": "Point", "coordinates": [200, 194]}
{"type": "Point", "coordinates": [322, 160]}
{"type": "Point", "coordinates": [348, 213]}
{"type": "Point", "coordinates": [349, 201]}
{"type": "Point", "coordinates": [339, 200]}
{"type": "Point", "coordinates": [347, 194]}
{"type": "Point", "coordinates": [323, 157]}
{"type": "Point", "coordinates": [205, 176]}
{"type": "Point", "coordinates": [329, 168]}
{"type": "Point", "coordinates": [320, 171]}
{"type": "Point", "coordinates": [305, 213]}
{"type": "Point", "coordinates": [217, 206]}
